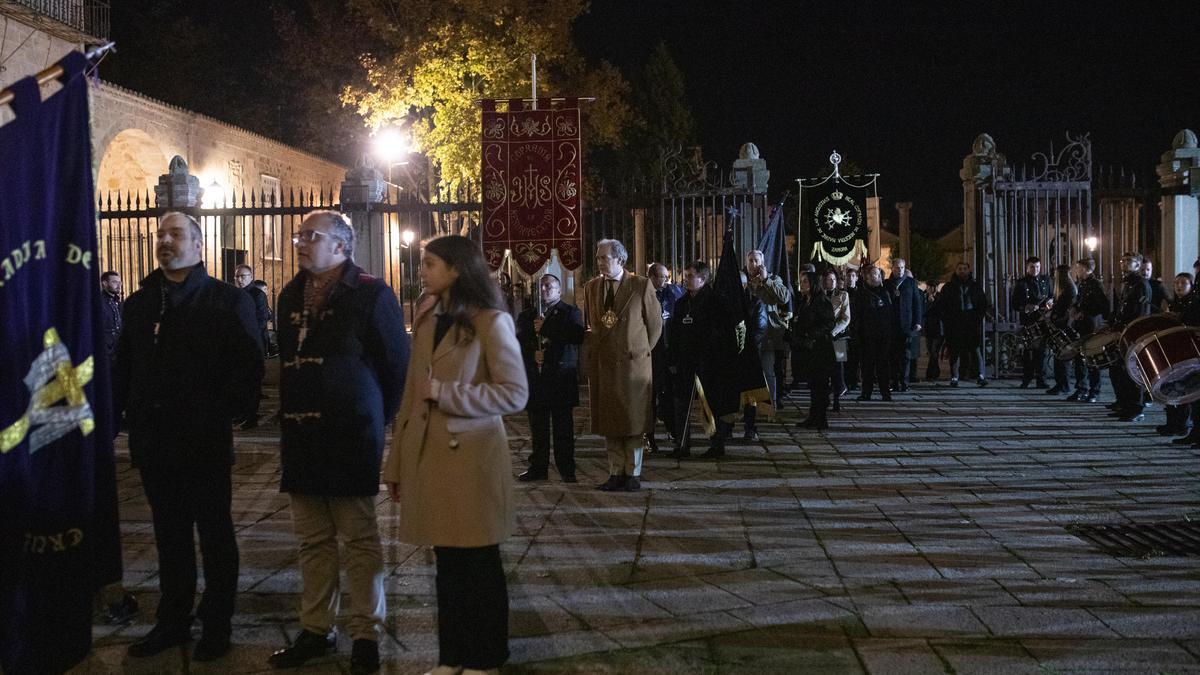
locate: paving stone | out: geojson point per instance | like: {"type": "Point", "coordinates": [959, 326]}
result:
{"type": "Point", "coordinates": [921, 620]}
{"type": "Point", "coordinates": [884, 656]}
{"type": "Point", "coordinates": [1042, 622]}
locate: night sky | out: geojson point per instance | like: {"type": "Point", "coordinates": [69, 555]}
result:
{"type": "Point", "coordinates": [903, 92]}
{"type": "Point", "coordinates": [898, 91]}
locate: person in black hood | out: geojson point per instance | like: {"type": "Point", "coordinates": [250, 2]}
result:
{"type": "Point", "coordinates": [814, 336]}
{"type": "Point", "coordinates": [875, 325]}
{"type": "Point", "coordinates": [189, 360]}
{"type": "Point", "coordinates": [963, 305]}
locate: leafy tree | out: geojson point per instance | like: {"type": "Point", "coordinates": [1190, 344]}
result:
{"type": "Point", "coordinates": [440, 56]}
{"type": "Point", "coordinates": [928, 258]}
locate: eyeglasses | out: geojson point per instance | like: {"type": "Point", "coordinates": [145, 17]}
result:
{"type": "Point", "coordinates": [308, 236]}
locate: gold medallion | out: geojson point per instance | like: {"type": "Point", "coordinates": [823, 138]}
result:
{"type": "Point", "coordinates": [609, 319]}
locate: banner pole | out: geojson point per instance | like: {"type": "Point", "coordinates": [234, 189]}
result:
{"type": "Point", "coordinates": [534, 86]}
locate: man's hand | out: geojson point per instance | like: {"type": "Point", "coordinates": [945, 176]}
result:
{"type": "Point", "coordinates": [537, 324]}
{"type": "Point", "coordinates": [917, 328]}
{"type": "Point", "coordinates": [539, 357]}
{"type": "Point", "coordinates": [1030, 308]}
{"type": "Point", "coordinates": [393, 491]}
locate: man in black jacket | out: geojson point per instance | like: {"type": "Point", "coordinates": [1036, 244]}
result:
{"type": "Point", "coordinates": [876, 326]}
{"type": "Point", "coordinates": [550, 336]}
{"type": "Point", "coordinates": [188, 361]}
{"type": "Point", "coordinates": [1158, 294]}
{"type": "Point", "coordinates": [243, 278]}
{"type": "Point", "coordinates": [1029, 296]}
{"type": "Point", "coordinates": [1087, 315]}
{"type": "Point", "coordinates": [343, 357]}
{"type": "Point", "coordinates": [908, 309]}
{"type": "Point", "coordinates": [1132, 303]}
{"type": "Point", "coordinates": [963, 307]}
{"type": "Point", "coordinates": [110, 317]}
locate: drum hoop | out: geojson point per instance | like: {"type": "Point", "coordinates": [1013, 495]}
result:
{"type": "Point", "coordinates": [1154, 391]}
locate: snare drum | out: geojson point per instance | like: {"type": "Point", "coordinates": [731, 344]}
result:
{"type": "Point", "coordinates": [1035, 332]}
{"type": "Point", "coordinates": [1169, 362]}
{"type": "Point", "coordinates": [1060, 339]}
{"type": "Point", "coordinates": [1139, 331]}
{"type": "Point", "coordinates": [1102, 349]}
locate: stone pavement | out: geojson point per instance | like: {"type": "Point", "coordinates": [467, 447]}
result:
{"type": "Point", "coordinates": [925, 536]}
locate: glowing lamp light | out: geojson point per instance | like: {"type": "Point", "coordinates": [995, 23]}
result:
{"type": "Point", "coordinates": [408, 236]}
{"type": "Point", "coordinates": [214, 194]}
{"type": "Point", "coordinates": [392, 145]}
{"type": "Point", "coordinates": [1091, 242]}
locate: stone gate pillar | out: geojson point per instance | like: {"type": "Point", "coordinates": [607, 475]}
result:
{"type": "Point", "coordinates": [1180, 213]}
{"type": "Point", "coordinates": [178, 189]}
{"type": "Point", "coordinates": [978, 169]}
{"type": "Point", "coordinates": [363, 188]}
{"type": "Point", "coordinates": [905, 232]}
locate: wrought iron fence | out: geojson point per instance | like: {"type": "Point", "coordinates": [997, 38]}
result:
{"type": "Point", "coordinates": [90, 17]}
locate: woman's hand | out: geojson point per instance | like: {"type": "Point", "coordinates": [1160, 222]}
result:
{"type": "Point", "coordinates": [429, 389]}
{"type": "Point", "coordinates": [393, 491]}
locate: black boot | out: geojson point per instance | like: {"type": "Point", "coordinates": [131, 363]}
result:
{"type": "Point", "coordinates": [364, 657]}
{"type": "Point", "coordinates": [307, 646]}
{"type": "Point", "coordinates": [161, 638]}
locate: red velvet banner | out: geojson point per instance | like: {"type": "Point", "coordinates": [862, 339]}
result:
{"type": "Point", "coordinates": [532, 169]}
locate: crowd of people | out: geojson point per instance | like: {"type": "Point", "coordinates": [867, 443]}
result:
{"type": "Point", "coordinates": [188, 354]}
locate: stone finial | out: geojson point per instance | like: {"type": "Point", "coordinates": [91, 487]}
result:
{"type": "Point", "coordinates": [750, 170]}
{"type": "Point", "coordinates": [983, 146]}
{"type": "Point", "coordinates": [177, 188]}
{"type": "Point", "coordinates": [1185, 139]}
{"type": "Point", "coordinates": [364, 183]}
{"type": "Point", "coordinates": [1180, 162]}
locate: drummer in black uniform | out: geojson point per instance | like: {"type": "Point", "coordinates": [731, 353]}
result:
{"type": "Point", "coordinates": [1186, 306]}
{"type": "Point", "coordinates": [1087, 315]}
{"type": "Point", "coordinates": [1065, 292]}
{"type": "Point", "coordinates": [1132, 303]}
{"type": "Point", "coordinates": [1029, 296]}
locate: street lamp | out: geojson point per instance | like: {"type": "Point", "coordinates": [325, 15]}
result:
{"type": "Point", "coordinates": [214, 194]}
{"type": "Point", "coordinates": [1091, 242]}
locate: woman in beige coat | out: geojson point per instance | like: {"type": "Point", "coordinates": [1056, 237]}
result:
{"type": "Point", "coordinates": [450, 466]}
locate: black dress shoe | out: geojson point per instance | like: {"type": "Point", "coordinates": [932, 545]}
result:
{"type": "Point", "coordinates": [570, 478]}
{"type": "Point", "coordinates": [1092, 398]}
{"type": "Point", "coordinates": [120, 612]}
{"type": "Point", "coordinates": [212, 646]}
{"type": "Point", "coordinates": [1077, 396]}
{"type": "Point", "coordinates": [531, 475]}
{"type": "Point", "coordinates": [1025, 384]}
{"type": "Point", "coordinates": [1041, 384]}
{"type": "Point", "coordinates": [630, 484]}
{"type": "Point", "coordinates": [1115, 405]}
{"type": "Point", "coordinates": [613, 483]}
{"type": "Point", "coordinates": [161, 638]}
{"type": "Point", "coordinates": [713, 452]}
{"type": "Point", "coordinates": [308, 646]}
{"type": "Point", "coordinates": [806, 423]}
{"type": "Point", "coordinates": [1055, 390]}
{"type": "Point", "coordinates": [863, 397]}
{"type": "Point", "coordinates": [750, 435]}
{"type": "Point", "coordinates": [954, 382]}
{"type": "Point", "coordinates": [886, 397]}
{"type": "Point", "coordinates": [1133, 416]}
{"type": "Point", "coordinates": [364, 657]}
{"type": "Point", "coordinates": [981, 382]}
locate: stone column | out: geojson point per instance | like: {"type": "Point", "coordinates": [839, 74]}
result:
{"type": "Point", "coordinates": [363, 188]}
{"type": "Point", "coordinates": [1180, 213]}
{"type": "Point", "coordinates": [905, 231]}
{"type": "Point", "coordinates": [873, 223]}
{"type": "Point", "coordinates": [978, 169]}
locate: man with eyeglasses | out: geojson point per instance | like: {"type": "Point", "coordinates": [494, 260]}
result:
{"type": "Point", "coordinates": [624, 322]}
{"type": "Point", "coordinates": [343, 355]}
{"type": "Point", "coordinates": [188, 361]}
{"type": "Point", "coordinates": [243, 278]}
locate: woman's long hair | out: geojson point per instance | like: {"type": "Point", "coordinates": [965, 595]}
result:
{"type": "Point", "coordinates": [474, 289]}
{"type": "Point", "coordinates": [1063, 280]}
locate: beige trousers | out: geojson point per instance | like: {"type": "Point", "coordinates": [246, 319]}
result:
{"type": "Point", "coordinates": [624, 455]}
{"type": "Point", "coordinates": [320, 523]}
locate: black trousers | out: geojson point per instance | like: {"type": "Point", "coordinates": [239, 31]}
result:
{"type": "Point", "coordinates": [472, 598]}
{"type": "Point", "coordinates": [1061, 380]}
{"type": "Point", "coordinates": [1093, 377]}
{"type": "Point", "coordinates": [853, 364]}
{"type": "Point", "coordinates": [1034, 363]}
{"type": "Point", "coordinates": [819, 393]}
{"type": "Point", "coordinates": [540, 421]}
{"type": "Point", "coordinates": [1177, 416]}
{"type": "Point", "coordinates": [181, 499]}
{"type": "Point", "coordinates": [781, 360]}
{"type": "Point", "coordinates": [1129, 394]}
{"type": "Point", "coordinates": [933, 369]}
{"type": "Point", "coordinates": [901, 363]}
{"type": "Point", "coordinates": [875, 362]}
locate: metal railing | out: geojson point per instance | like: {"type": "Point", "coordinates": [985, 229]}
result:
{"type": "Point", "coordinates": [91, 17]}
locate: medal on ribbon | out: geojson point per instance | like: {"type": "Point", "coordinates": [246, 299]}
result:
{"type": "Point", "coordinates": [609, 319]}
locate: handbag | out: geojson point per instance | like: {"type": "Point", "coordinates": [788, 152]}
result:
{"type": "Point", "coordinates": [840, 348]}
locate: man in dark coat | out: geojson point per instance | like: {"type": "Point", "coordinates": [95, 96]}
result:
{"type": "Point", "coordinates": [243, 278]}
{"type": "Point", "coordinates": [1087, 316]}
{"type": "Point", "coordinates": [188, 361]}
{"type": "Point", "coordinates": [110, 316]}
{"type": "Point", "coordinates": [550, 340]}
{"type": "Point", "coordinates": [343, 357]}
{"type": "Point", "coordinates": [1158, 294]}
{"type": "Point", "coordinates": [697, 334]}
{"type": "Point", "coordinates": [1132, 302]}
{"type": "Point", "coordinates": [875, 324]}
{"type": "Point", "coordinates": [906, 304]}
{"type": "Point", "coordinates": [1029, 296]}
{"type": "Point", "coordinates": [934, 335]}
{"type": "Point", "coordinates": [963, 307]}
{"type": "Point", "coordinates": [664, 398]}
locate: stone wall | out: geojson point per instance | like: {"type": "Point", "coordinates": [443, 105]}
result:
{"type": "Point", "coordinates": [28, 50]}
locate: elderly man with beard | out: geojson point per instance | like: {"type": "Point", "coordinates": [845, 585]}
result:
{"type": "Point", "coordinates": [189, 360]}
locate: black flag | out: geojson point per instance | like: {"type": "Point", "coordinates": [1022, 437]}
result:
{"type": "Point", "coordinates": [773, 245]}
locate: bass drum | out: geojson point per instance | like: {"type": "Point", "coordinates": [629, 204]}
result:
{"type": "Point", "coordinates": [1101, 350]}
{"type": "Point", "coordinates": [1138, 332]}
{"type": "Point", "coordinates": [1170, 365]}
